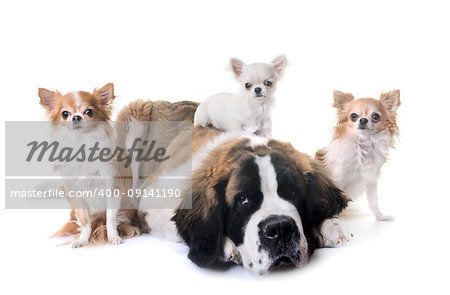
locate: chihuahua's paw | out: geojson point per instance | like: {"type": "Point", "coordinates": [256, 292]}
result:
{"type": "Point", "coordinates": [116, 240]}
{"type": "Point", "coordinates": [80, 243]}
{"type": "Point", "coordinates": [384, 217]}
{"type": "Point", "coordinates": [334, 233]}
{"type": "Point", "coordinates": [250, 129]}
{"type": "Point", "coordinates": [266, 133]}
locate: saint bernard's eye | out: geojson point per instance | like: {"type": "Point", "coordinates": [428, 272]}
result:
{"type": "Point", "coordinates": [242, 199]}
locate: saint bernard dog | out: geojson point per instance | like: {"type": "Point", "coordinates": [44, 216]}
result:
{"type": "Point", "coordinates": [254, 201]}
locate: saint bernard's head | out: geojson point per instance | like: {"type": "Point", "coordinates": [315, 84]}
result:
{"type": "Point", "coordinates": [266, 200]}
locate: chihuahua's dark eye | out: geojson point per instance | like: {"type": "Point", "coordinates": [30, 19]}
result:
{"type": "Point", "coordinates": [248, 85]}
{"type": "Point", "coordinates": [242, 199]}
{"type": "Point", "coordinates": [267, 83]}
{"type": "Point", "coordinates": [375, 116]}
{"type": "Point", "coordinates": [65, 114]}
{"type": "Point", "coordinates": [354, 116]}
{"type": "Point", "coordinates": [89, 112]}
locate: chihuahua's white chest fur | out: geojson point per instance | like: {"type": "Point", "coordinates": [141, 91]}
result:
{"type": "Point", "coordinates": [249, 110]}
{"type": "Point", "coordinates": [356, 159]}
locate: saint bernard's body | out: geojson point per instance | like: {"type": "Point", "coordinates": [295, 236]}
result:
{"type": "Point", "coordinates": [255, 201]}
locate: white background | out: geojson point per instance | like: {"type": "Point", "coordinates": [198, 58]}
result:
{"type": "Point", "coordinates": [177, 50]}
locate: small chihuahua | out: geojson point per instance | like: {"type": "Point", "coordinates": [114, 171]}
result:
{"type": "Point", "coordinates": [365, 132]}
{"type": "Point", "coordinates": [81, 110]}
{"type": "Point", "coordinates": [249, 110]}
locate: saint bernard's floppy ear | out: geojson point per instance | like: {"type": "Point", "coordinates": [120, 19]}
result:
{"type": "Point", "coordinates": [324, 198]}
{"type": "Point", "coordinates": [202, 227]}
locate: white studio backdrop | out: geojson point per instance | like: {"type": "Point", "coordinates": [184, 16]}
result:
{"type": "Point", "coordinates": [179, 50]}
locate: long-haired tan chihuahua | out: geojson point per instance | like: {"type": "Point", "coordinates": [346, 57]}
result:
{"type": "Point", "coordinates": [365, 132]}
{"type": "Point", "coordinates": [77, 112]}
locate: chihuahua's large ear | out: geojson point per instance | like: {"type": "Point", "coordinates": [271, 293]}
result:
{"type": "Point", "coordinates": [324, 198]}
{"type": "Point", "coordinates": [279, 63]}
{"type": "Point", "coordinates": [202, 227]}
{"type": "Point", "coordinates": [341, 99]}
{"type": "Point", "coordinates": [391, 100]}
{"type": "Point", "coordinates": [47, 98]}
{"type": "Point", "coordinates": [106, 93]}
{"type": "Point", "coordinates": [237, 66]}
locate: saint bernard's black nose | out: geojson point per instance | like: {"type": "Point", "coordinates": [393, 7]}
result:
{"type": "Point", "coordinates": [277, 229]}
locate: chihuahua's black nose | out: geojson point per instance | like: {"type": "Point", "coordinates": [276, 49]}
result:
{"type": "Point", "coordinates": [76, 118]}
{"type": "Point", "coordinates": [363, 121]}
{"type": "Point", "coordinates": [258, 90]}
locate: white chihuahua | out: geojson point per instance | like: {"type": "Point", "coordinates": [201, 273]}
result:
{"type": "Point", "coordinates": [249, 110]}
